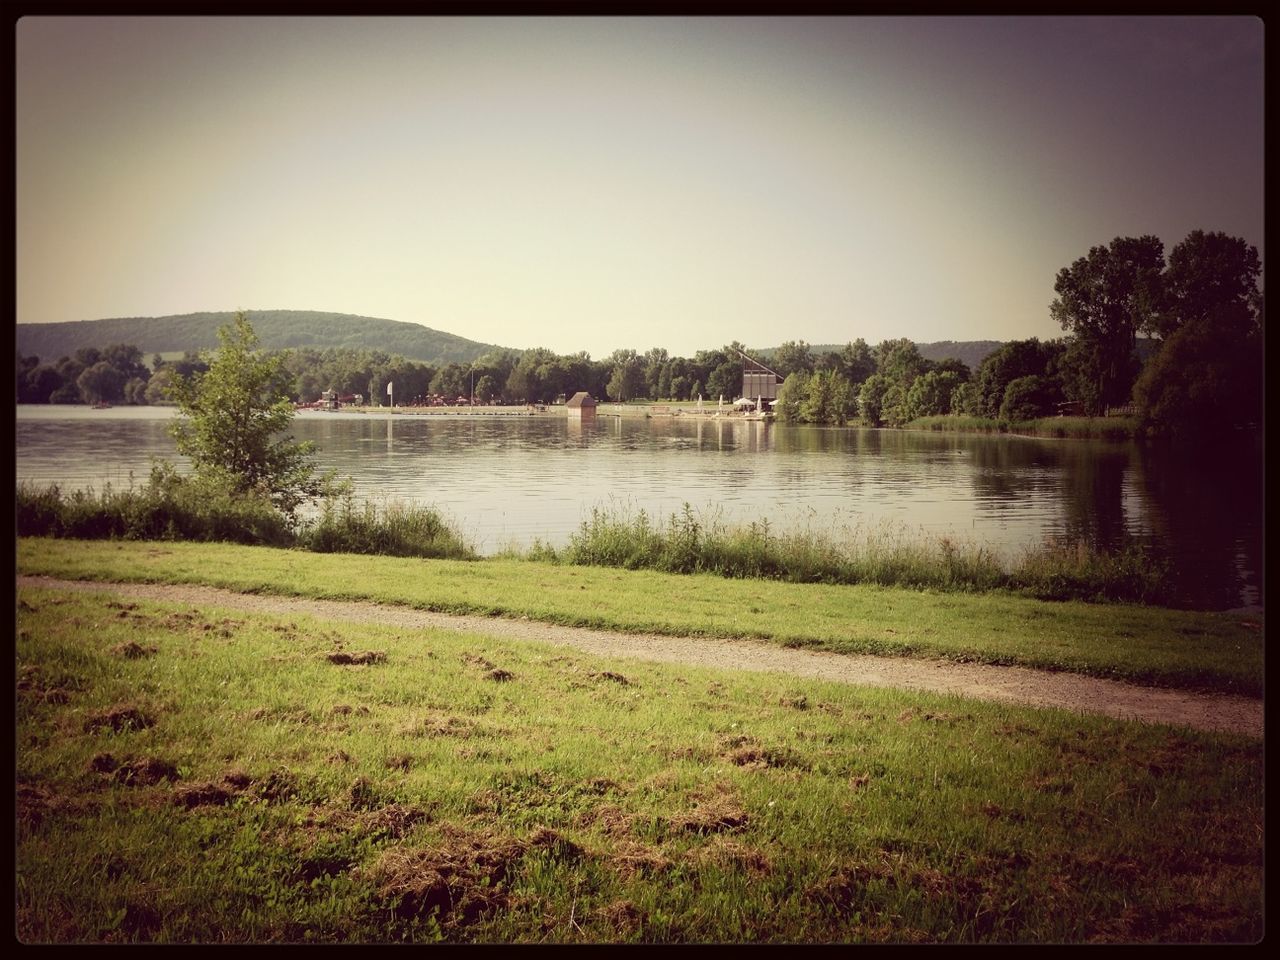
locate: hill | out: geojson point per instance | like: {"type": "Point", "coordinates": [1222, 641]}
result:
{"type": "Point", "coordinates": [277, 329]}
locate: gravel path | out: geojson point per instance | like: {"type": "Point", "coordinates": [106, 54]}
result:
{"type": "Point", "coordinates": [1020, 685]}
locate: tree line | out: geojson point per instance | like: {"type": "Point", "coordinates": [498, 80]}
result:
{"type": "Point", "coordinates": [1201, 307]}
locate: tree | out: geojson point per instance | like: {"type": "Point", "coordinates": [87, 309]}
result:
{"type": "Point", "coordinates": [725, 380]}
{"type": "Point", "coordinates": [627, 378]}
{"type": "Point", "coordinates": [854, 361]}
{"type": "Point", "coordinates": [930, 395]}
{"type": "Point", "coordinates": [1207, 378]}
{"type": "Point", "coordinates": [900, 361]}
{"type": "Point", "coordinates": [1017, 358]}
{"type": "Point", "coordinates": [828, 398]}
{"type": "Point", "coordinates": [36, 386]}
{"type": "Point", "coordinates": [232, 418]}
{"type": "Point", "coordinates": [793, 357]}
{"type": "Point", "coordinates": [871, 398]}
{"type": "Point", "coordinates": [1104, 299]}
{"type": "Point", "coordinates": [1027, 398]}
{"type": "Point", "coordinates": [1210, 275]}
{"type": "Point", "coordinates": [791, 395]}
{"type": "Point", "coordinates": [486, 389]}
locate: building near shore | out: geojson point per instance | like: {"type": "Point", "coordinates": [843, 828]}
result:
{"type": "Point", "coordinates": [581, 406]}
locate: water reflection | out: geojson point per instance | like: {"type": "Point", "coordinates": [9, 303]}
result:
{"type": "Point", "coordinates": [511, 480]}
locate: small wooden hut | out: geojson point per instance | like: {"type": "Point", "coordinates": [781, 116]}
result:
{"type": "Point", "coordinates": [581, 406]}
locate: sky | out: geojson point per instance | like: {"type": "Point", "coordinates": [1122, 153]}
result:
{"type": "Point", "coordinates": [605, 183]}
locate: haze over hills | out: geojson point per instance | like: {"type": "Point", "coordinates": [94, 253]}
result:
{"type": "Point", "coordinates": [286, 329]}
{"type": "Point", "coordinates": [276, 329]}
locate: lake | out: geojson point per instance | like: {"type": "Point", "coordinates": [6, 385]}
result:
{"type": "Point", "coordinates": [509, 480]}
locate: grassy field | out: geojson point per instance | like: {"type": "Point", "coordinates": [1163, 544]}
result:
{"type": "Point", "coordinates": [1219, 652]}
{"type": "Point", "coordinates": [212, 776]}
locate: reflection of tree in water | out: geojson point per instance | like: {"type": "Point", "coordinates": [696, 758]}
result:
{"type": "Point", "coordinates": [789, 438]}
{"type": "Point", "coordinates": [1205, 508]}
{"type": "Point", "coordinates": [1093, 481]}
{"type": "Point", "coordinates": [1008, 469]}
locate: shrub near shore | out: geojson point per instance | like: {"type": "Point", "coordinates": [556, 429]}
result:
{"type": "Point", "coordinates": [200, 509]}
{"type": "Point", "coordinates": [1063, 428]}
{"type": "Point", "coordinates": [684, 543]}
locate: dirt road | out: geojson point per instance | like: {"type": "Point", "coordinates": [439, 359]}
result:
{"type": "Point", "coordinates": [1020, 685]}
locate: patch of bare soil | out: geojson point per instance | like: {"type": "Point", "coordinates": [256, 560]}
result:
{"type": "Point", "coordinates": [34, 685]}
{"type": "Point", "coordinates": [460, 880]}
{"type": "Point", "coordinates": [277, 786]}
{"type": "Point", "coordinates": [141, 771]}
{"type": "Point", "coordinates": [343, 658]}
{"type": "Point", "coordinates": [1020, 685]}
{"type": "Point", "coordinates": [713, 812]}
{"type": "Point", "coordinates": [123, 716]}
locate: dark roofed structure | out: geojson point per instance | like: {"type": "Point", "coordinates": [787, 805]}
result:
{"type": "Point", "coordinates": [581, 404]}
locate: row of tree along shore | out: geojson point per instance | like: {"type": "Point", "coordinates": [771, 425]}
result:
{"type": "Point", "coordinates": [1201, 308]}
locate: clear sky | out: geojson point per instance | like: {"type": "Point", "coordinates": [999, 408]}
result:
{"type": "Point", "coordinates": [594, 184]}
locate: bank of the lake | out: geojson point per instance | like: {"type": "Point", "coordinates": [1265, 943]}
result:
{"type": "Point", "coordinates": [1192, 650]}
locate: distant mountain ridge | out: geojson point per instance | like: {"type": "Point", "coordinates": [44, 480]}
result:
{"type": "Point", "coordinates": [288, 329]}
{"type": "Point", "coordinates": [276, 329]}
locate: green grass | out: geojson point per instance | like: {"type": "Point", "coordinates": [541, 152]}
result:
{"type": "Point", "coordinates": [885, 555]}
{"type": "Point", "coordinates": [211, 776]}
{"type": "Point", "coordinates": [1148, 645]}
{"type": "Point", "coordinates": [1072, 428]}
{"type": "Point", "coordinates": [171, 507]}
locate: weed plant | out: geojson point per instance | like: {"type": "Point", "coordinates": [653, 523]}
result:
{"type": "Point", "coordinates": [203, 508]}
{"type": "Point", "coordinates": [686, 543]}
{"type": "Point", "coordinates": [168, 507]}
{"type": "Point", "coordinates": [199, 776]}
{"type": "Point", "coordinates": [391, 529]}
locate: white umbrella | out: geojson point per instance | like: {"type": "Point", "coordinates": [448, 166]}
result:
{"type": "Point", "coordinates": [744, 402]}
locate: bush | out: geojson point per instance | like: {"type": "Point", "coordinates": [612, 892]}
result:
{"type": "Point", "coordinates": [168, 507]}
{"type": "Point", "coordinates": [394, 530]}
{"type": "Point", "coordinates": [883, 556]}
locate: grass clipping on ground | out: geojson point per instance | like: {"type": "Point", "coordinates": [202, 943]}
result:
{"type": "Point", "coordinates": [201, 776]}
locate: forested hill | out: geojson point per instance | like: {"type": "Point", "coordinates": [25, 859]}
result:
{"type": "Point", "coordinates": [277, 329]}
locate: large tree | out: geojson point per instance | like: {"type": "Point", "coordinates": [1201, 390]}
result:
{"type": "Point", "coordinates": [1208, 374]}
{"type": "Point", "coordinates": [233, 421]}
{"type": "Point", "coordinates": [1104, 299]}
{"type": "Point", "coordinates": [1209, 275]}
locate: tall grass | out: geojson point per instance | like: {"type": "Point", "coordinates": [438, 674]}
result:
{"type": "Point", "coordinates": [1070, 428]}
{"type": "Point", "coordinates": [685, 543]}
{"type": "Point", "coordinates": [166, 508]}
{"type": "Point", "coordinates": [391, 529]}
{"type": "Point", "coordinates": [174, 507]}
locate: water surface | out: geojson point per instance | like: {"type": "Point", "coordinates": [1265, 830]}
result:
{"type": "Point", "coordinates": [513, 480]}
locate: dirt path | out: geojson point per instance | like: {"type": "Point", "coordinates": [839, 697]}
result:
{"type": "Point", "coordinates": [1020, 685]}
